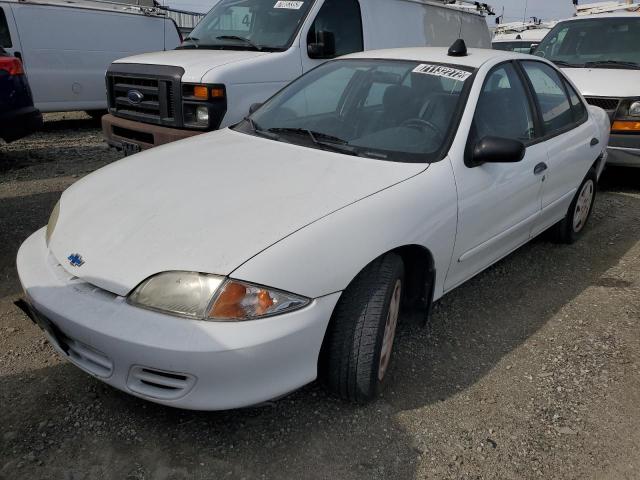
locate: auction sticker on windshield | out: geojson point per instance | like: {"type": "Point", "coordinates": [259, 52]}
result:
{"type": "Point", "coordinates": [289, 5]}
{"type": "Point", "coordinates": [441, 71]}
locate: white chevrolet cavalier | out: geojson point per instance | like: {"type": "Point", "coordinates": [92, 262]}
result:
{"type": "Point", "coordinates": [235, 267]}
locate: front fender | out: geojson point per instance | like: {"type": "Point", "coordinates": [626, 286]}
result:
{"type": "Point", "coordinates": [326, 255]}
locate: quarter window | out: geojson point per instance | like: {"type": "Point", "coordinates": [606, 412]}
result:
{"type": "Point", "coordinates": [503, 107]}
{"type": "Point", "coordinates": [343, 19]}
{"type": "Point", "coordinates": [578, 108]}
{"type": "Point", "coordinates": [552, 98]}
{"type": "Point", "coordinates": [5, 37]}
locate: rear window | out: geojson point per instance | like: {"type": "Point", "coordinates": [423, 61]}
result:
{"type": "Point", "coordinates": [5, 37]}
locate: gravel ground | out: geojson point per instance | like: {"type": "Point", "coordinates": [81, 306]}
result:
{"type": "Point", "coordinates": [530, 370]}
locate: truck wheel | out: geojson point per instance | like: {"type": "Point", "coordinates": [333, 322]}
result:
{"type": "Point", "coordinates": [572, 226]}
{"type": "Point", "coordinates": [357, 350]}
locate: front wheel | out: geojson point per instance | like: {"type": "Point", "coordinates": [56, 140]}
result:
{"type": "Point", "coordinates": [356, 354]}
{"type": "Point", "coordinates": [572, 226]}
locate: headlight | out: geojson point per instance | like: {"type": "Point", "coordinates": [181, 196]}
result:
{"type": "Point", "coordinates": [634, 109]}
{"type": "Point", "coordinates": [53, 220]}
{"type": "Point", "coordinates": [210, 297]}
{"type": "Point", "coordinates": [202, 114]}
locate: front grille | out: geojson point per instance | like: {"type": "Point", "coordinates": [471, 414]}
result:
{"type": "Point", "coordinates": [609, 104]}
{"type": "Point", "coordinates": [158, 88]}
{"type": "Point", "coordinates": [158, 383]}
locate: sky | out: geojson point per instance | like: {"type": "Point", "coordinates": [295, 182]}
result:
{"type": "Point", "coordinates": [513, 9]}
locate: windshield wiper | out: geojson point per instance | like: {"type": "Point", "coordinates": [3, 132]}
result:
{"type": "Point", "coordinates": [562, 63]}
{"type": "Point", "coordinates": [329, 141]}
{"type": "Point", "coordinates": [242, 39]}
{"type": "Point", "coordinates": [613, 63]}
{"type": "Point", "coordinates": [256, 129]}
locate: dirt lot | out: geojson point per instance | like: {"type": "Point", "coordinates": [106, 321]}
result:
{"type": "Point", "coordinates": [531, 370]}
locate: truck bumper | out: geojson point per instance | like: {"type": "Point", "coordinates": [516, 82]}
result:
{"type": "Point", "coordinates": [624, 150]}
{"type": "Point", "coordinates": [133, 136]}
{"type": "Point", "coordinates": [19, 123]}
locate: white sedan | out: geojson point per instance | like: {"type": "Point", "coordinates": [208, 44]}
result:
{"type": "Point", "coordinates": [234, 267]}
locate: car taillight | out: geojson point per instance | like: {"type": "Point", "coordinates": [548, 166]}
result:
{"type": "Point", "coordinates": [11, 65]}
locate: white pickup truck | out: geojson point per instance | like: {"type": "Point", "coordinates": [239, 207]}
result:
{"type": "Point", "coordinates": [244, 51]}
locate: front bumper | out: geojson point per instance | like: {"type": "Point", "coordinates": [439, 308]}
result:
{"type": "Point", "coordinates": [177, 362]}
{"type": "Point", "coordinates": [122, 133]}
{"type": "Point", "coordinates": [19, 123]}
{"type": "Point", "coordinates": [624, 150]}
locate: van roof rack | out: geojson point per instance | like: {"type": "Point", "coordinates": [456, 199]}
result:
{"type": "Point", "coordinates": [606, 7]}
{"type": "Point", "coordinates": [465, 5]}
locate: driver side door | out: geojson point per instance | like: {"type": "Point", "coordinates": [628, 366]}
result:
{"type": "Point", "coordinates": [498, 203]}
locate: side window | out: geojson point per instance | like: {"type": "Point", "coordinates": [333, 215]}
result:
{"type": "Point", "coordinates": [343, 19]}
{"type": "Point", "coordinates": [503, 107]}
{"type": "Point", "coordinates": [5, 37]}
{"type": "Point", "coordinates": [578, 108]}
{"type": "Point", "coordinates": [554, 105]}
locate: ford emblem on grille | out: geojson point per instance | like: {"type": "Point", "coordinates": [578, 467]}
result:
{"type": "Point", "coordinates": [75, 260]}
{"type": "Point", "coordinates": [135, 96]}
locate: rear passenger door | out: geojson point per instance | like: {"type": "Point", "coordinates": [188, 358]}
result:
{"type": "Point", "coordinates": [567, 135]}
{"type": "Point", "coordinates": [9, 39]}
{"type": "Point", "coordinates": [498, 203]}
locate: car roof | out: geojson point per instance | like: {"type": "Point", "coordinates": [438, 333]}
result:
{"type": "Point", "coordinates": [475, 57]}
{"type": "Point", "coordinates": [596, 16]}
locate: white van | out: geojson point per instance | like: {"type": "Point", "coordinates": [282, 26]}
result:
{"type": "Point", "coordinates": [244, 51]}
{"type": "Point", "coordinates": [66, 47]}
{"type": "Point", "coordinates": [601, 54]}
{"type": "Point", "coordinates": [520, 37]}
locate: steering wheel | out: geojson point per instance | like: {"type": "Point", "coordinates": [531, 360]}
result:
{"type": "Point", "coordinates": [423, 125]}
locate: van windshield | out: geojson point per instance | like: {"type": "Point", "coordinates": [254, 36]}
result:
{"type": "Point", "coordinates": [249, 25]}
{"type": "Point", "coordinates": [393, 110]}
{"type": "Point", "coordinates": [594, 43]}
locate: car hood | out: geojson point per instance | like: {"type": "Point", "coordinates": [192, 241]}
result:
{"type": "Point", "coordinates": [605, 82]}
{"type": "Point", "coordinates": [196, 63]}
{"type": "Point", "coordinates": [205, 204]}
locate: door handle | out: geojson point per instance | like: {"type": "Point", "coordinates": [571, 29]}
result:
{"type": "Point", "coordinates": [594, 142]}
{"type": "Point", "coordinates": [541, 167]}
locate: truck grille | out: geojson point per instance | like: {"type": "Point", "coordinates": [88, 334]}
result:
{"type": "Point", "coordinates": [155, 88]}
{"type": "Point", "coordinates": [609, 104]}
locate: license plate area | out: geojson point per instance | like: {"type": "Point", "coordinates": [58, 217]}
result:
{"type": "Point", "coordinates": [129, 148]}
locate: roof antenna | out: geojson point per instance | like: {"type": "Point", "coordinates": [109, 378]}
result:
{"type": "Point", "coordinates": [458, 49]}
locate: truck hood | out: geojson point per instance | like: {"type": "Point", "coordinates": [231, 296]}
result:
{"type": "Point", "coordinates": [605, 82]}
{"type": "Point", "coordinates": [205, 204]}
{"type": "Point", "coordinates": [196, 63]}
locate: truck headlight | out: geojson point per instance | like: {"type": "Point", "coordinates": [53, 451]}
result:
{"type": "Point", "coordinates": [634, 109]}
{"type": "Point", "coordinates": [53, 220]}
{"type": "Point", "coordinates": [210, 297]}
{"type": "Point", "coordinates": [203, 105]}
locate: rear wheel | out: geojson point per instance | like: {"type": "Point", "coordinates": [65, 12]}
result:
{"type": "Point", "coordinates": [573, 225]}
{"type": "Point", "coordinates": [358, 346]}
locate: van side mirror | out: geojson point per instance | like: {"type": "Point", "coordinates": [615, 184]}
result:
{"type": "Point", "coordinates": [533, 48]}
{"type": "Point", "coordinates": [324, 45]}
{"type": "Point", "coordinates": [254, 107]}
{"type": "Point", "coordinates": [498, 150]}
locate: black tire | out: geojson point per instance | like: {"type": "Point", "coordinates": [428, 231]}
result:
{"type": "Point", "coordinates": [351, 353]}
{"type": "Point", "coordinates": [567, 231]}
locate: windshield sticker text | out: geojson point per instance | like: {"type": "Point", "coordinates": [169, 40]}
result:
{"type": "Point", "coordinates": [289, 5]}
{"type": "Point", "coordinates": [440, 71]}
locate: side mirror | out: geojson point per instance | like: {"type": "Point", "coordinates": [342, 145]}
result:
{"type": "Point", "coordinates": [533, 47]}
{"type": "Point", "coordinates": [254, 107]}
{"type": "Point", "coordinates": [324, 45]}
{"type": "Point", "coordinates": [498, 150]}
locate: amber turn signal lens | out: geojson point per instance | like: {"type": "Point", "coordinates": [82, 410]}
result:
{"type": "Point", "coordinates": [625, 126]}
{"type": "Point", "coordinates": [200, 91]}
{"type": "Point", "coordinates": [217, 92]}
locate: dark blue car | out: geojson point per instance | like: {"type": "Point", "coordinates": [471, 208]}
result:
{"type": "Point", "coordinates": [18, 116]}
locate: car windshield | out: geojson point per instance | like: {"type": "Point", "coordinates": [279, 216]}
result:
{"type": "Point", "coordinates": [249, 25]}
{"type": "Point", "coordinates": [381, 109]}
{"type": "Point", "coordinates": [596, 42]}
{"type": "Point", "coordinates": [515, 46]}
